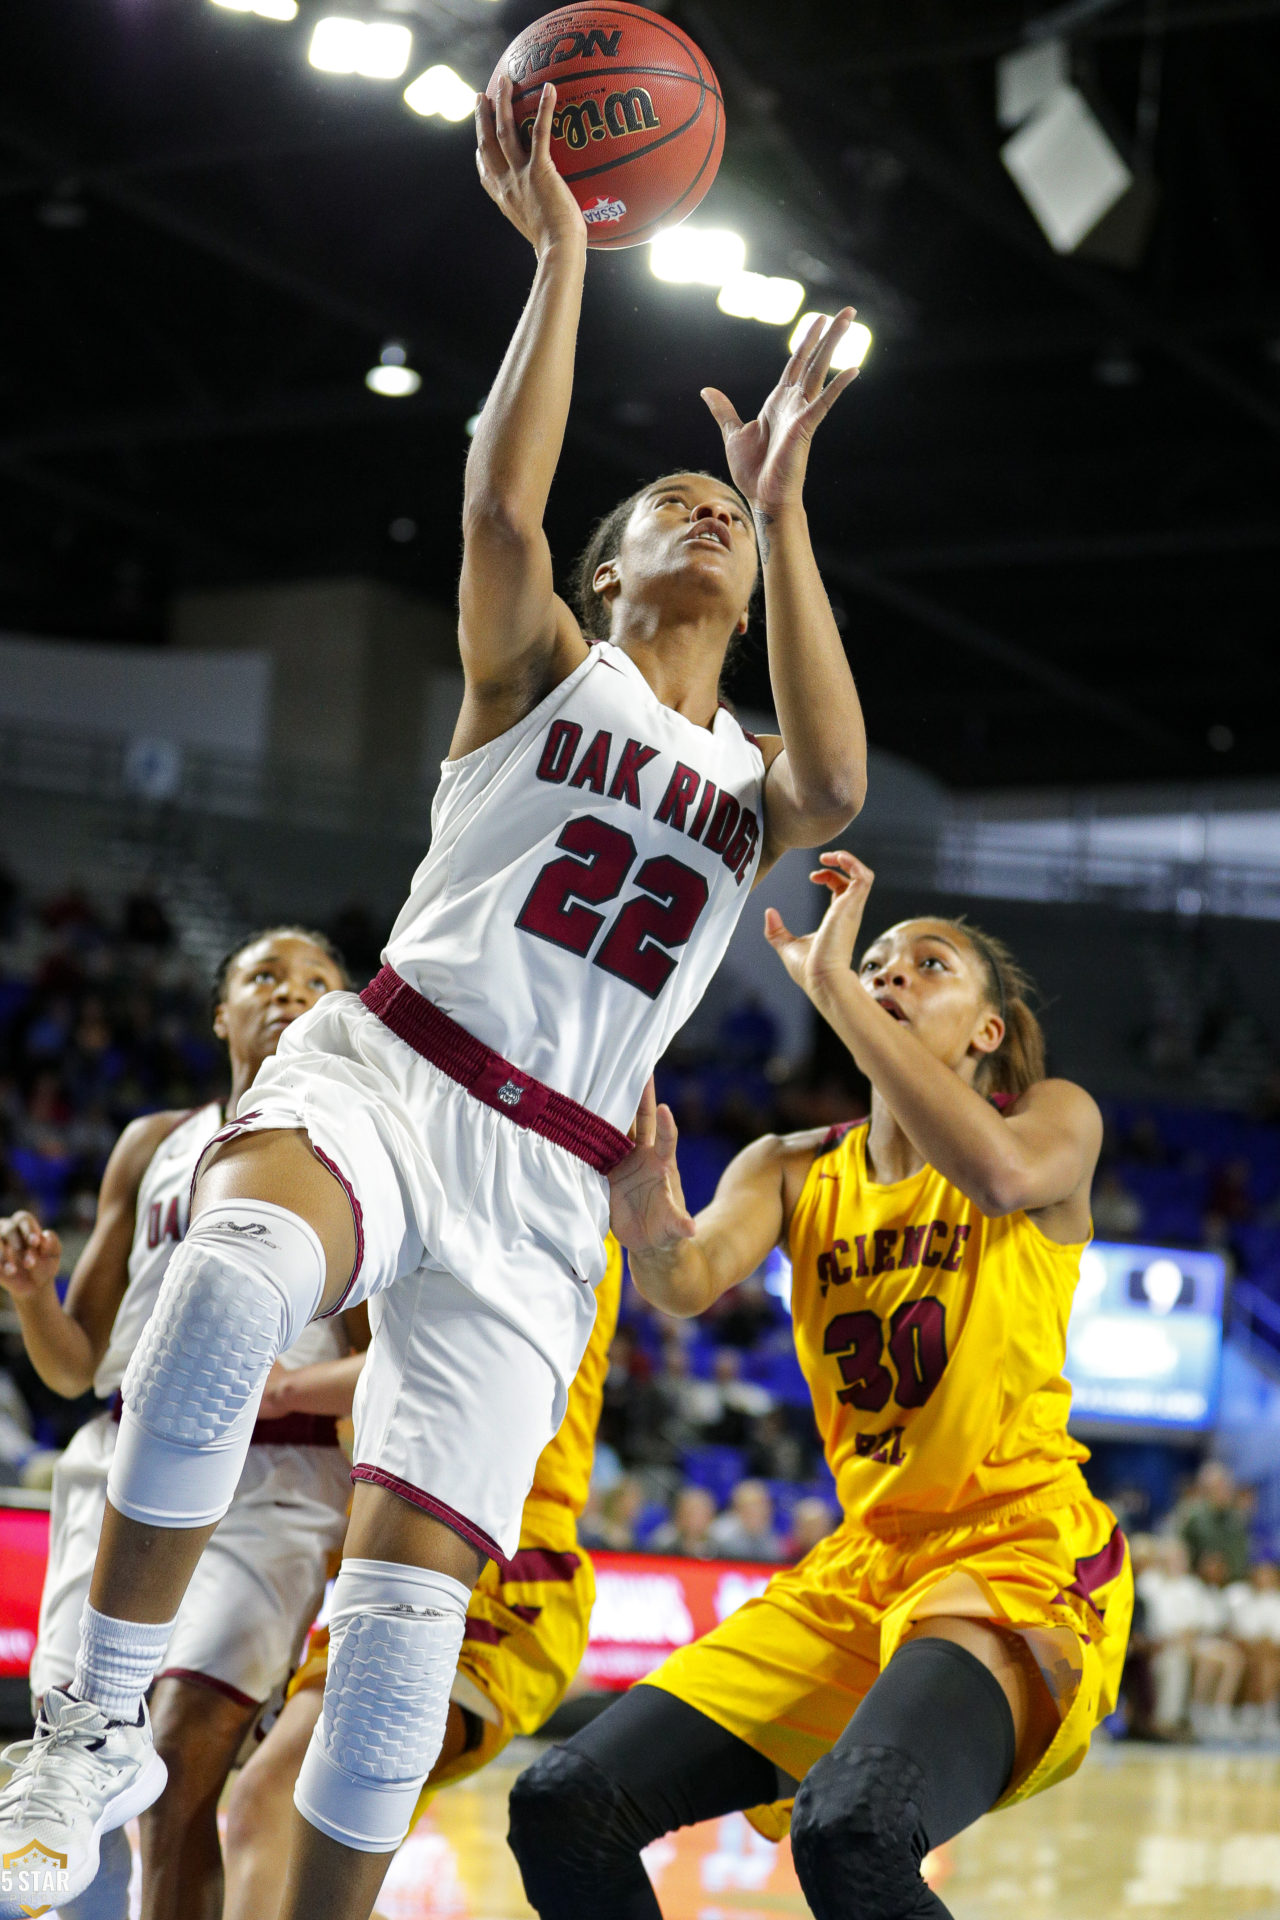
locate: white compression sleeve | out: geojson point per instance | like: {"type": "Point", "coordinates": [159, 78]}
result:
{"type": "Point", "coordinates": [239, 1290]}
{"type": "Point", "coordinates": [395, 1635]}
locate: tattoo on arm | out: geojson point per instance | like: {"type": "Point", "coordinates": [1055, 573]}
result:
{"type": "Point", "coordinates": [763, 522]}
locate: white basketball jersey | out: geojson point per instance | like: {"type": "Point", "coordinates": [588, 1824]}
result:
{"type": "Point", "coordinates": [164, 1200]}
{"type": "Point", "coordinates": [586, 871]}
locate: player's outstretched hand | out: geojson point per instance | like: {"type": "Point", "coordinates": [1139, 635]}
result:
{"type": "Point", "coordinates": [646, 1201]}
{"type": "Point", "coordinates": [813, 958]}
{"type": "Point", "coordinates": [29, 1255]}
{"type": "Point", "coordinates": [768, 456]}
{"type": "Point", "coordinates": [525, 184]}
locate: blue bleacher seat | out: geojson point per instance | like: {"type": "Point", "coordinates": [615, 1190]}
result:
{"type": "Point", "coordinates": [716, 1468]}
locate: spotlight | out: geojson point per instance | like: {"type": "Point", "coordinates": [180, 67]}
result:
{"type": "Point", "coordinates": [393, 378]}
{"type": "Point", "coordinates": [758, 296]}
{"type": "Point", "coordinates": [689, 257]}
{"type": "Point", "coordinates": [850, 352]}
{"type": "Point", "coordinates": [443, 92]}
{"type": "Point", "coordinates": [375, 49]}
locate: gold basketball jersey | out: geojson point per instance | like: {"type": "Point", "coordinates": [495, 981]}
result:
{"type": "Point", "coordinates": [563, 1472]}
{"type": "Point", "coordinates": [933, 1339]}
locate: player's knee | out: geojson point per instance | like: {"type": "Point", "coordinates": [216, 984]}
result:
{"type": "Point", "coordinates": [395, 1635]}
{"type": "Point", "coordinates": [569, 1824]}
{"type": "Point", "coordinates": [240, 1288]}
{"type": "Point", "coordinates": [857, 1834]}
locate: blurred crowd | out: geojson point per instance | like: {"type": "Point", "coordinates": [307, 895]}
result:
{"type": "Point", "coordinates": [1193, 1178]}
{"type": "Point", "coordinates": [1204, 1656]}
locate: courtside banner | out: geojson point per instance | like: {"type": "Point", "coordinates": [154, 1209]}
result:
{"type": "Point", "coordinates": [24, 1549]}
{"type": "Point", "coordinates": [648, 1605]}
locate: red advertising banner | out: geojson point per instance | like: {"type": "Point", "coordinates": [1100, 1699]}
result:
{"type": "Point", "coordinates": [648, 1605]}
{"type": "Point", "coordinates": [24, 1548]}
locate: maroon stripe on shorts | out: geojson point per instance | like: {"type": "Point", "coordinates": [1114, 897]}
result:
{"type": "Point", "coordinates": [491, 1079]}
{"type": "Point", "coordinates": [224, 1687]}
{"type": "Point", "coordinates": [1098, 1568]}
{"type": "Point", "coordinates": [539, 1564]}
{"type": "Point", "coordinates": [484, 1631]}
{"type": "Point", "coordinates": [357, 1221]}
{"type": "Point", "coordinates": [456, 1522]}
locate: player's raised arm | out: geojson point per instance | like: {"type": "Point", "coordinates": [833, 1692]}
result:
{"type": "Point", "coordinates": [817, 777]}
{"type": "Point", "coordinates": [1037, 1155]}
{"type": "Point", "coordinates": [682, 1265]}
{"type": "Point", "coordinates": [65, 1343]}
{"type": "Point", "coordinates": [517, 638]}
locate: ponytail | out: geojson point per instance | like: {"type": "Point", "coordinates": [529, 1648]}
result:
{"type": "Point", "coordinates": [1019, 1061]}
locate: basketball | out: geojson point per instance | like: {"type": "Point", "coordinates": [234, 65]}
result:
{"type": "Point", "coordinates": [639, 122]}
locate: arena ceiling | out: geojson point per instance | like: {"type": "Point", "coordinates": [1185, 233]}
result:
{"type": "Point", "coordinates": [1048, 511]}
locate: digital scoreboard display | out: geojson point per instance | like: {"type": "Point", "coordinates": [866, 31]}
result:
{"type": "Point", "coordinates": [1144, 1347]}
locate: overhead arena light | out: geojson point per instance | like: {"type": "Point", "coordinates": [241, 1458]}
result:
{"type": "Point", "coordinates": [393, 377]}
{"type": "Point", "coordinates": [759, 296]}
{"type": "Point", "coordinates": [375, 49]}
{"type": "Point", "coordinates": [265, 9]}
{"type": "Point", "coordinates": [443, 92]}
{"type": "Point", "coordinates": [850, 352]}
{"type": "Point", "coordinates": [689, 256]}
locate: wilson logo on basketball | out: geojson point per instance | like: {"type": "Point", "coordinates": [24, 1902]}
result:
{"type": "Point", "coordinates": [601, 212]}
{"type": "Point", "coordinates": [564, 46]}
{"type": "Point", "coordinates": [582, 121]}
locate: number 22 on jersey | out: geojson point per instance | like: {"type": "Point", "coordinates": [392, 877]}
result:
{"type": "Point", "coordinates": [645, 934]}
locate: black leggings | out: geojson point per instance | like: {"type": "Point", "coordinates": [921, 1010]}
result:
{"type": "Point", "coordinates": [928, 1751]}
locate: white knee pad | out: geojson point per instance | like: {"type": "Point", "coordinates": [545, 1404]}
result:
{"type": "Point", "coordinates": [394, 1637]}
{"type": "Point", "coordinates": [239, 1290]}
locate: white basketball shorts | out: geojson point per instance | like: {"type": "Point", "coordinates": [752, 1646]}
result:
{"type": "Point", "coordinates": [479, 1247]}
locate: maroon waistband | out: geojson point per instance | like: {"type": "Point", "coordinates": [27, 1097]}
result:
{"type": "Point", "coordinates": [290, 1430]}
{"type": "Point", "coordinates": [490, 1078]}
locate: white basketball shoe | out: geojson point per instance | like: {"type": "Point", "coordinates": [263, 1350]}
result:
{"type": "Point", "coordinates": [78, 1778]}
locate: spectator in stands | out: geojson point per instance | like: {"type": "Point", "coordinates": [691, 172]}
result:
{"type": "Point", "coordinates": [1174, 1614]}
{"type": "Point", "coordinates": [688, 1530]}
{"type": "Point", "coordinates": [745, 1530]}
{"type": "Point", "coordinates": [740, 1402]}
{"type": "Point", "coordinates": [774, 1451]}
{"type": "Point", "coordinates": [610, 1521]}
{"type": "Point", "coordinates": [1211, 1521]}
{"type": "Point", "coordinates": [812, 1520]}
{"type": "Point", "coordinates": [1218, 1659]}
{"type": "Point", "coordinates": [1117, 1213]}
{"type": "Point", "coordinates": [744, 1314]}
{"type": "Point", "coordinates": [1137, 1683]}
{"type": "Point", "coordinates": [1254, 1614]}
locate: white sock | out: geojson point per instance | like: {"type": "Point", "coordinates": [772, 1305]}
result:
{"type": "Point", "coordinates": [117, 1661]}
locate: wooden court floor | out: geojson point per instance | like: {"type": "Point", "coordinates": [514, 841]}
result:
{"type": "Point", "coordinates": [1143, 1833]}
